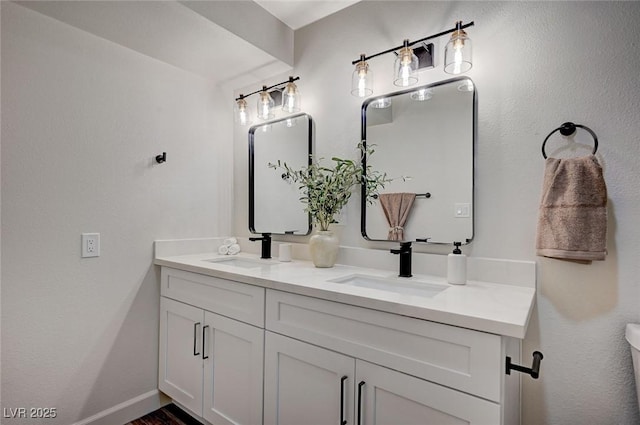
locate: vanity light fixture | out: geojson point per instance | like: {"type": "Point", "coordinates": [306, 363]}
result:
{"type": "Point", "coordinates": [362, 79]}
{"type": "Point", "coordinates": [405, 67]}
{"type": "Point", "coordinates": [422, 95]}
{"type": "Point", "coordinates": [457, 53]}
{"type": "Point", "coordinates": [265, 105]}
{"type": "Point", "coordinates": [466, 86]}
{"type": "Point", "coordinates": [381, 103]}
{"type": "Point", "coordinates": [241, 111]}
{"type": "Point", "coordinates": [291, 97]}
{"type": "Point", "coordinates": [457, 60]}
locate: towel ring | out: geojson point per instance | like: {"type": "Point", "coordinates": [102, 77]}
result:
{"type": "Point", "coordinates": [567, 129]}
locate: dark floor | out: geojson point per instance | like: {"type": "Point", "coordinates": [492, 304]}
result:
{"type": "Point", "coordinates": [168, 415]}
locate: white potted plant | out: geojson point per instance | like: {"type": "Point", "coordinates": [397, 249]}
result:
{"type": "Point", "coordinates": [325, 192]}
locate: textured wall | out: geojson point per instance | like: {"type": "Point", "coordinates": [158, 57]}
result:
{"type": "Point", "coordinates": [82, 120]}
{"type": "Point", "coordinates": [536, 65]}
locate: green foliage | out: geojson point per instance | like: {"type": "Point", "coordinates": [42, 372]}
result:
{"type": "Point", "coordinates": [326, 190]}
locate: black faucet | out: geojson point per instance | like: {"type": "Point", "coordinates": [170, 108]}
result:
{"type": "Point", "coordinates": [405, 258]}
{"type": "Point", "coordinates": [266, 244]}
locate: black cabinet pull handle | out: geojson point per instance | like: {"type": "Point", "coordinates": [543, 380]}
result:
{"type": "Point", "coordinates": [360, 385]}
{"type": "Point", "coordinates": [195, 338]}
{"type": "Point", "coordinates": [534, 370]}
{"type": "Point", "coordinates": [204, 344]}
{"type": "Point", "coordinates": [343, 421]}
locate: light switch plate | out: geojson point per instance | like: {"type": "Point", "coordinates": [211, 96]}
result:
{"type": "Point", "coordinates": [462, 210]}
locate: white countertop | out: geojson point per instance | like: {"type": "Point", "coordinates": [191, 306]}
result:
{"type": "Point", "coordinates": [488, 307]}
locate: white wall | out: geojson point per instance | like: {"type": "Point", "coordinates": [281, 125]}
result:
{"type": "Point", "coordinates": [536, 65]}
{"type": "Point", "coordinates": [82, 120]}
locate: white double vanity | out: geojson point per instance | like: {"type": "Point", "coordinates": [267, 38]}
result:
{"type": "Point", "coordinates": [250, 341]}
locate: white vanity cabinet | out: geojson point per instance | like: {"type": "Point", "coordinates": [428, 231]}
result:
{"type": "Point", "coordinates": [209, 363]}
{"type": "Point", "coordinates": [239, 353]}
{"type": "Point", "coordinates": [385, 396]}
{"type": "Point", "coordinates": [399, 370]}
{"type": "Point", "coordinates": [180, 374]}
{"type": "Point", "coordinates": [305, 384]}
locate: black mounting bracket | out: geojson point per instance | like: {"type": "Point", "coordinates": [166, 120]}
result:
{"type": "Point", "coordinates": [161, 158]}
{"type": "Point", "coordinates": [567, 129]}
{"type": "Point", "coordinates": [534, 370]}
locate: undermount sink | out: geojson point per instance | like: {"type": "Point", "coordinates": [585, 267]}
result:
{"type": "Point", "coordinates": [397, 285]}
{"type": "Point", "coordinates": [244, 263]}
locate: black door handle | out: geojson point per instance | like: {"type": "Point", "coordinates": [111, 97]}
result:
{"type": "Point", "coordinates": [343, 421]}
{"type": "Point", "coordinates": [204, 344]}
{"type": "Point", "coordinates": [360, 385]}
{"type": "Point", "coordinates": [195, 338]}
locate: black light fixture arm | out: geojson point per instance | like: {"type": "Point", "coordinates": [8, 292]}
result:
{"type": "Point", "coordinates": [411, 43]}
{"type": "Point", "coordinates": [265, 88]}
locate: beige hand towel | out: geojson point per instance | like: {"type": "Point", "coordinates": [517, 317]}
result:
{"type": "Point", "coordinates": [572, 221]}
{"type": "Point", "coordinates": [396, 207]}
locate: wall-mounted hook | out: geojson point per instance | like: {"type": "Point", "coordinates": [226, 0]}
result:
{"type": "Point", "coordinates": [161, 158]}
{"type": "Point", "coordinates": [534, 370]}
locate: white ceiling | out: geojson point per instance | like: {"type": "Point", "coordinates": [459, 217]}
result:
{"type": "Point", "coordinates": [170, 32]}
{"type": "Point", "coordinates": [298, 13]}
{"type": "Point", "coordinates": [178, 34]}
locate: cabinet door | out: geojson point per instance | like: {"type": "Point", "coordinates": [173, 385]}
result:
{"type": "Point", "coordinates": [180, 372]}
{"type": "Point", "coordinates": [388, 397]}
{"type": "Point", "coordinates": [233, 371]}
{"type": "Point", "coordinates": [305, 384]}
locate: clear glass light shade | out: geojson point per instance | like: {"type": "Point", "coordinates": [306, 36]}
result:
{"type": "Point", "coordinates": [466, 86]}
{"type": "Point", "coordinates": [362, 80]}
{"type": "Point", "coordinates": [422, 95]}
{"type": "Point", "coordinates": [291, 98]}
{"type": "Point", "coordinates": [405, 68]}
{"type": "Point", "coordinates": [241, 112]}
{"type": "Point", "coordinates": [457, 53]}
{"type": "Point", "coordinates": [265, 106]}
{"type": "Point", "coordinates": [381, 103]}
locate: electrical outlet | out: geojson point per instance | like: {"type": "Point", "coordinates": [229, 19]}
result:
{"type": "Point", "coordinates": [90, 245]}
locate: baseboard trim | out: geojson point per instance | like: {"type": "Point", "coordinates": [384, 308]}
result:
{"type": "Point", "coordinates": [129, 410]}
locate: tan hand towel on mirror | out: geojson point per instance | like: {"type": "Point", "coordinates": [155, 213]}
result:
{"type": "Point", "coordinates": [396, 207]}
{"type": "Point", "coordinates": [572, 221]}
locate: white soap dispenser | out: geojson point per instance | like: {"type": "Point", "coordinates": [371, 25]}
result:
{"type": "Point", "coordinates": [457, 266]}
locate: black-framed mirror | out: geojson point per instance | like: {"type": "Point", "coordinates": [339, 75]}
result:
{"type": "Point", "coordinates": [424, 140]}
{"type": "Point", "coordinates": [274, 202]}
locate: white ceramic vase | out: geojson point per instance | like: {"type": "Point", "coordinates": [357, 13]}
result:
{"type": "Point", "coordinates": [323, 247]}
